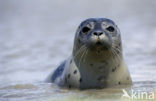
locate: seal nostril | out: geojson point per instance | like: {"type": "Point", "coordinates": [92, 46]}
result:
{"type": "Point", "coordinates": [98, 33]}
{"type": "Point", "coordinates": [95, 33]}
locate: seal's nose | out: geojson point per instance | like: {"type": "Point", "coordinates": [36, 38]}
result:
{"type": "Point", "coordinates": [97, 33]}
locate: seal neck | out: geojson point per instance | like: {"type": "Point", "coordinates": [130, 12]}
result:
{"type": "Point", "coordinates": [84, 57]}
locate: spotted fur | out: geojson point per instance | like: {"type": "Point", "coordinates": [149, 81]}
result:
{"type": "Point", "coordinates": [96, 60]}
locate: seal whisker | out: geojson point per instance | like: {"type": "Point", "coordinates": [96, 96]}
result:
{"type": "Point", "coordinates": [82, 54]}
{"type": "Point", "coordinates": [112, 55]}
{"type": "Point", "coordinates": [117, 51]}
{"type": "Point", "coordinates": [79, 51]}
{"type": "Point", "coordinates": [81, 59]}
{"type": "Point", "coordinates": [116, 54]}
{"type": "Point", "coordinates": [116, 48]}
{"type": "Point", "coordinates": [85, 55]}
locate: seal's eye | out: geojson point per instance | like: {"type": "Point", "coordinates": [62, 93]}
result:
{"type": "Point", "coordinates": [85, 29]}
{"type": "Point", "coordinates": [110, 29]}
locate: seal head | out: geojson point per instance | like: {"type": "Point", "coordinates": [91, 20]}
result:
{"type": "Point", "coordinates": [98, 33]}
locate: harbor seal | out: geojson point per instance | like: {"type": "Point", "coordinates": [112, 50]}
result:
{"type": "Point", "coordinates": [96, 60]}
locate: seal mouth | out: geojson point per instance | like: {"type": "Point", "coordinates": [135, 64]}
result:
{"type": "Point", "coordinates": [99, 43]}
{"type": "Point", "coordinates": [102, 45]}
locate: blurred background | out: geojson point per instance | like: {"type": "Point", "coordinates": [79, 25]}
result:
{"type": "Point", "coordinates": [36, 35]}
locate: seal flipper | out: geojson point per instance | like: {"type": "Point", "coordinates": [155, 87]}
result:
{"type": "Point", "coordinates": [58, 72]}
